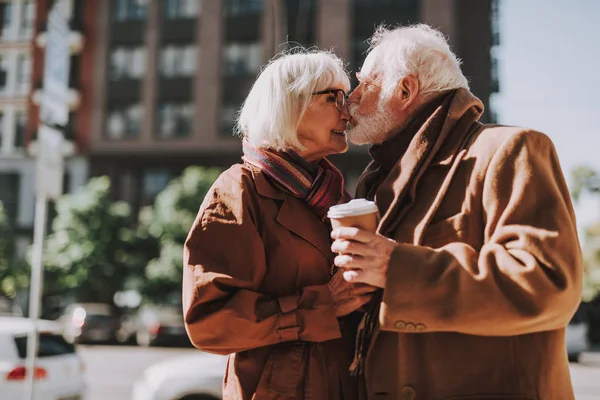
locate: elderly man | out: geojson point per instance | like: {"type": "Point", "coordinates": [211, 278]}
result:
{"type": "Point", "coordinates": [476, 252]}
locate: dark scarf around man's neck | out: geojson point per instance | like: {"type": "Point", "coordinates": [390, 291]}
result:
{"type": "Point", "coordinates": [392, 178]}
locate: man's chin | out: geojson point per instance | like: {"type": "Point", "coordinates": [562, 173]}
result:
{"type": "Point", "coordinates": [358, 137]}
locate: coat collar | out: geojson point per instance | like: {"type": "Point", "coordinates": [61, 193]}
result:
{"type": "Point", "coordinates": [263, 186]}
{"type": "Point", "coordinates": [294, 215]}
{"type": "Point", "coordinates": [437, 142]}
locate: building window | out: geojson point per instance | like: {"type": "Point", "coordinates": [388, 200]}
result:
{"type": "Point", "coordinates": [235, 8]}
{"type": "Point", "coordinates": [495, 75]}
{"type": "Point", "coordinates": [242, 58]}
{"type": "Point", "coordinates": [124, 122]}
{"type": "Point", "coordinates": [127, 63]}
{"type": "Point", "coordinates": [23, 73]}
{"type": "Point", "coordinates": [5, 20]}
{"type": "Point", "coordinates": [300, 22]}
{"type": "Point", "coordinates": [369, 13]}
{"type": "Point", "coordinates": [129, 10]}
{"type": "Point", "coordinates": [175, 120]}
{"type": "Point", "coordinates": [2, 130]}
{"type": "Point", "coordinates": [228, 114]}
{"type": "Point", "coordinates": [20, 126]}
{"type": "Point", "coordinates": [175, 9]}
{"type": "Point", "coordinates": [27, 18]}
{"type": "Point", "coordinates": [3, 72]}
{"type": "Point", "coordinates": [9, 195]}
{"type": "Point", "coordinates": [178, 61]}
{"type": "Point", "coordinates": [154, 182]}
{"type": "Point", "coordinates": [495, 22]}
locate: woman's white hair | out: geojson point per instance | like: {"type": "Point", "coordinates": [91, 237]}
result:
{"type": "Point", "coordinates": [417, 50]}
{"type": "Point", "coordinates": [281, 94]}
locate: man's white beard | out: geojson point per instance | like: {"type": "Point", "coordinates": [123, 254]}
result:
{"type": "Point", "coordinates": [373, 129]}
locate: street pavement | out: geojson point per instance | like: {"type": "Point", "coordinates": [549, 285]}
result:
{"type": "Point", "coordinates": [112, 370]}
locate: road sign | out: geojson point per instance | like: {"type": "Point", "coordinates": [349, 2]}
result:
{"type": "Point", "coordinates": [55, 96]}
{"type": "Point", "coordinates": [50, 164]}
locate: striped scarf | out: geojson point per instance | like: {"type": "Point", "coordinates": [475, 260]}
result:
{"type": "Point", "coordinates": [319, 187]}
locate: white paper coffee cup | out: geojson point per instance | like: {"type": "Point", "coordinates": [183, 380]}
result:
{"type": "Point", "coordinates": [358, 213]}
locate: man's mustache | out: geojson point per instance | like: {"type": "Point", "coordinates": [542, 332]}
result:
{"type": "Point", "coordinates": [352, 111]}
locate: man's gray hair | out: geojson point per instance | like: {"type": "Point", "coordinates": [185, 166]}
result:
{"type": "Point", "coordinates": [417, 50]}
{"type": "Point", "coordinates": [280, 96]}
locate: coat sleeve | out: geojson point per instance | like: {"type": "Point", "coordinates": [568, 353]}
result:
{"type": "Point", "coordinates": [224, 265]}
{"type": "Point", "coordinates": [527, 276]}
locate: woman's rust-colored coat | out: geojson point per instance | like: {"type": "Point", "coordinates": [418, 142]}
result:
{"type": "Point", "coordinates": [257, 262]}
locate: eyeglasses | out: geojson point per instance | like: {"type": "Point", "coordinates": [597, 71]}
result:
{"type": "Point", "coordinates": [341, 98]}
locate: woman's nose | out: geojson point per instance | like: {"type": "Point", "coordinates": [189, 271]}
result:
{"type": "Point", "coordinates": [345, 113]}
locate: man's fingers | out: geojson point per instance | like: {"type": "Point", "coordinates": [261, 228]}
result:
{"type": "Point", "coordinates": [348, 261]}
{"type": "Point", "coordinates": [351, 247]}
{"type": "Point", "coordinates": [350, 233]}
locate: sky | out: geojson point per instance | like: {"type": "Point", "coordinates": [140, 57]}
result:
{"type": "Point", "coordinates": [549, 66]}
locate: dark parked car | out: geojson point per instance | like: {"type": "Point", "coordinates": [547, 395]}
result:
{"type": "Point", "coordinates": [154, 325]}
{"type": "Point", "coordinates": [89, 323]}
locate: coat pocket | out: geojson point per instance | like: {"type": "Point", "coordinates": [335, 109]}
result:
{"type": "Point", "coordinates": [284, 370]}
{"type": "Point", "coordinates": [446, 231]}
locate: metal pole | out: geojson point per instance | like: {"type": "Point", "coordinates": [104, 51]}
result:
{"type": "Point", "coordinates": [35, 292]}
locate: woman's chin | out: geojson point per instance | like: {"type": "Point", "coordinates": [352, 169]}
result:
{"type": "Point", "coordinates": [342, 148]}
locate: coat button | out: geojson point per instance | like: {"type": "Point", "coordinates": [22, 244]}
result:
{"type": "Point", "coordinates": [400, 325]}
{"type": "Point", "coordinates": [410, 327]}
{"type": "Point", "coordinates": [420, 327]}
{"type": "Point", "coordinates": [409, 393]}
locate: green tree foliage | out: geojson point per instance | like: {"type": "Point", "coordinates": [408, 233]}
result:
{"type": "Point", "coordinates": [14, 273]}
{"type": "Point", "coordinates": [587, 180]}
{"type": "Point", "coordinates": [168, 223]}
{"type": "Point", "coordinates": [92, 251]}
{"type": "Point", "coordinates": [9, 280]}
{"type": "Point", "coordinates": [5, 244]}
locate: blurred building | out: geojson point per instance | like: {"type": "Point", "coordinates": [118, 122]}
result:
{"type": "Point", "coordinates": [171, 74]}
{"type": "Point", "coordinates": [157, 83]}
{"type": "Point", "coordinates": [22, 43]}
{"type": "Point", "coordinates": [16, 169]}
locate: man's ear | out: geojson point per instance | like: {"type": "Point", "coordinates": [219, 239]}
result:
{"type": "Point", "coordinates": [406, 91]}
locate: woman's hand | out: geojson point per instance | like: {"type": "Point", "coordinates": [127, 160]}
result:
{"type": "Point", "coordinates": [348, 297]}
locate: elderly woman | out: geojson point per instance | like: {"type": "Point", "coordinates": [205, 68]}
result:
{"type": "Point", "coordinates": [258, 281]}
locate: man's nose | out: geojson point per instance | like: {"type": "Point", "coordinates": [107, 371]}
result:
{"type": "Point", "coordinates": [353, 97]}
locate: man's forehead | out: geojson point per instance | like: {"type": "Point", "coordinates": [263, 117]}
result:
{"type": "Point", "coordinates": [368, 70]}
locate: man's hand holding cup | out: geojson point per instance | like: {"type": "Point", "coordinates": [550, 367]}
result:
{"type": "Point", "coordinates": [363, 253]}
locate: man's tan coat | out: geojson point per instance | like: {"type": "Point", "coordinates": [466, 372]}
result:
{"type": "Point", "coordinates": [488, 275]}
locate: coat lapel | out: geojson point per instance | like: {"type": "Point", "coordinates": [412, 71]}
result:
{"type": "Point", "coordinates": [295, 216]}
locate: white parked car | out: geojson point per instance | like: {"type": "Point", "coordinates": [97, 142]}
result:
{"type": "Point", "coordinates": [577, 335]}
{"type": "Point", "coordinates": [194, 376]}
{"type": "Point", "coordinates": [58, 374]}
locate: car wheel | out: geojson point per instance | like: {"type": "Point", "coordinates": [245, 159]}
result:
{"type": "Point", "coordinates": [573, 357]}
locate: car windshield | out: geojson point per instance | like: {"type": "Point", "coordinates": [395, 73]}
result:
{"type": "Point", "coordinates": [49, 345]}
